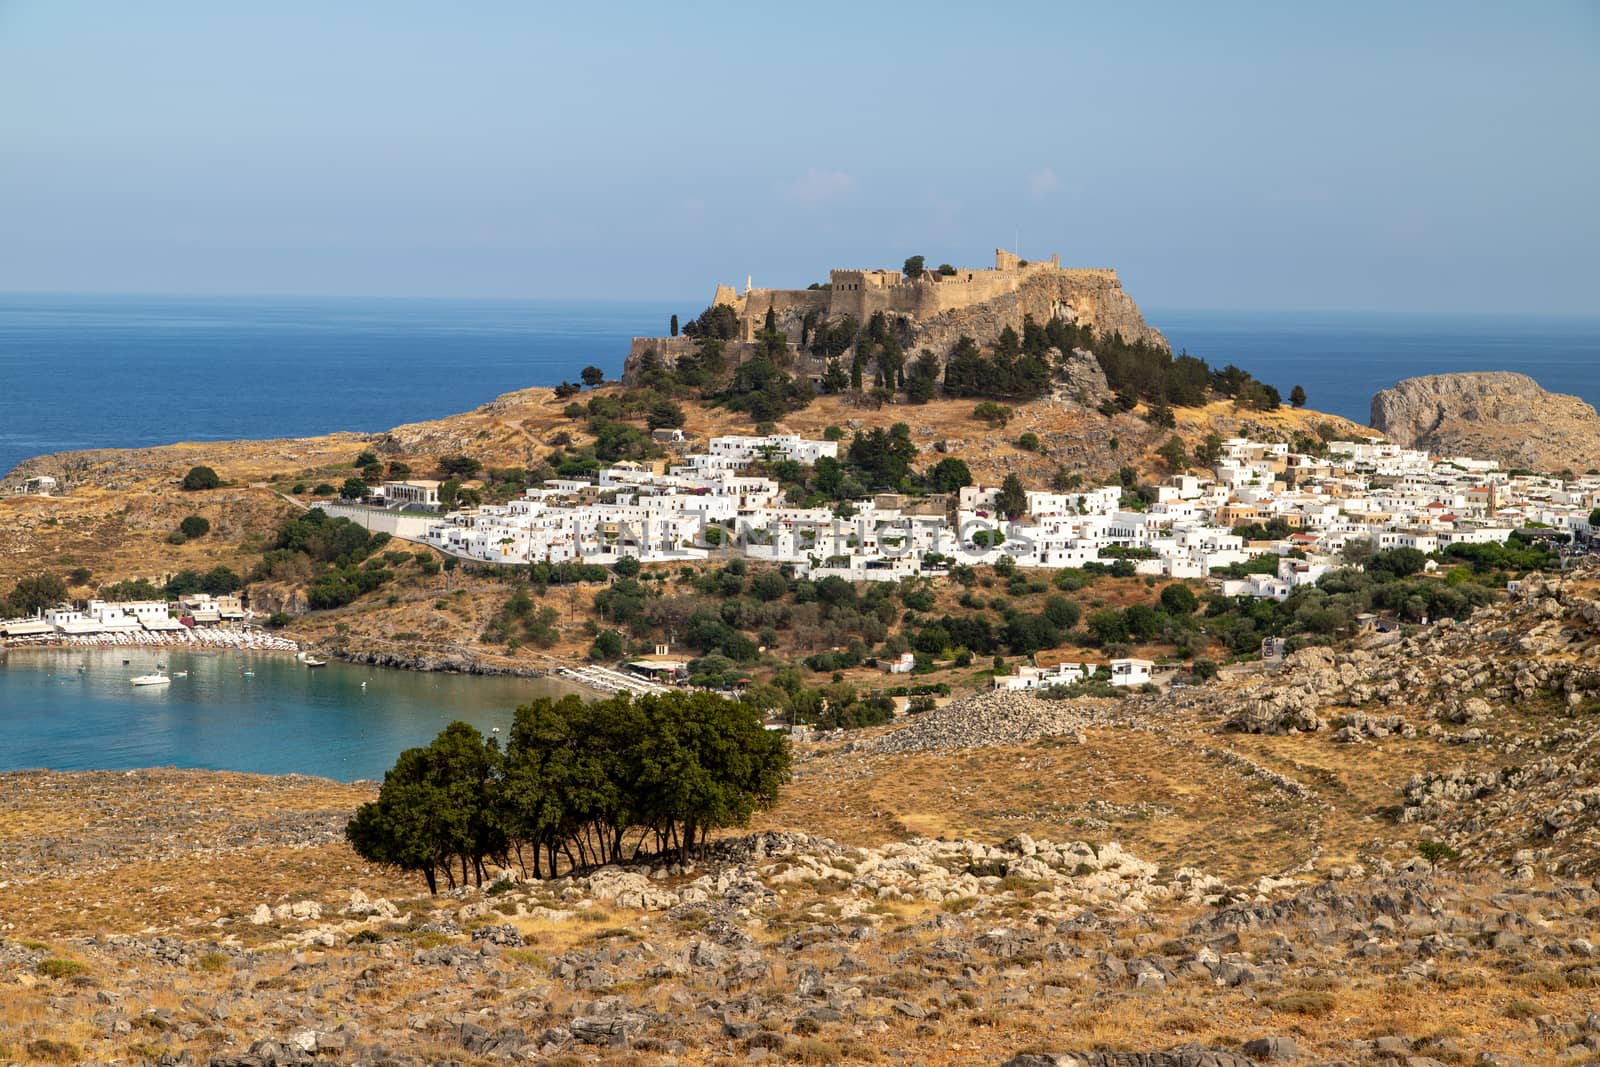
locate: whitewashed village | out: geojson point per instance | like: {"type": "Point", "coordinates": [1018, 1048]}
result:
{"type": "Point", "coordinates": [1362, 491]}
{"type": "Point", "coordinates": [717, 503]}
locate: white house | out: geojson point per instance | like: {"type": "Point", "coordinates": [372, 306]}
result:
{"type": "Point", "coordinates": [1131, 671]}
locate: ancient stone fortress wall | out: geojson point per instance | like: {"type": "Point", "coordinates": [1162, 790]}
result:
{"type": "Point", "coordinates": [978, 302]}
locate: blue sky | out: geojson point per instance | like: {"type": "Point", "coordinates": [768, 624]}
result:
{"type": "Point", "coordinates": [1421, 156]}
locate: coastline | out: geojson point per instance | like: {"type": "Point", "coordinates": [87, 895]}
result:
{"type": "Point", "coordinates": [196, 639]}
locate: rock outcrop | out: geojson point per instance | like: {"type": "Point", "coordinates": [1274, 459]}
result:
{"type": "Point", "coordinates": [1491, 415]}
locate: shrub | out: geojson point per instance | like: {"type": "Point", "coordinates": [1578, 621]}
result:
{"type": "Point", "coordinates": [52, 1051]}
{"type": "Point", "coordinates": [1028, 442]}
{"type": "Point", "coordinates": [277, 620]}
{"type": "Point", "coordinates": [201, 478]}
{"type": "Point", "coordinates": [56, 967]}
{"type": "Point", "coordinates": [195, 526]}
{"type": "Point", "coordinates": [1437, 851]}
{"type": "Point", "coordinates": [992, 413]}
{"type": "Point", "coordinates": [1308, 1002]}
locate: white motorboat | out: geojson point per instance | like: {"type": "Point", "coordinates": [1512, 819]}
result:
{"type": "Point", "coordinates": [151, 679]}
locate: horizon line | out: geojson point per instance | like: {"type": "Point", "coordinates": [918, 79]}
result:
{"type": "Point", "coordinates": [1154, 309]}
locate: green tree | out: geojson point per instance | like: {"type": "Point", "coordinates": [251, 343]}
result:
{"type": "Point", "coordinates": [437, 808]}
{"type": "Point", "coordinates": [459, 466]}
{"type": "Point", "coordinates": [1012, 499]}
{"type": "Point", "coordinates": [1297, 397]}
{"type": "Point", "coordinates": [1107, 626]}
{"type": "Point", "coordinates": [1397, 562]}
{"type": "Point", "coordinates": [365, 458]}
{"type": "Point", "coordinates": [664, 415]}
{"type": "Point", "coordinates": [201, 478]}
{"type": "Point", "coordinates": [353, 489]}
{"type": "Point", "coordinates": [705, 763]}
{"type": "Point", "coordinates": [592, 376]}
{"type": "Point", "coordinates": [673, 326]}
{"type": "Point", "coordinates": [607, 645]}
{"type": "Point", "coordinates": [1177, 599]}
{"type": "Point", "coordinates": [1174, 454]}
{"type": "Point", "coordinates": [949, 475]}
{"type": "Point", "coordinates": [914, 267]}
{"type": "Point", "coordinates": [769, 585]}
{"type": "Point", "coordinates": [1160, 414]}
{"type": "Point", "coordinates": [195, 526]}
{"type": "Point", "coordinates": [35, 593]}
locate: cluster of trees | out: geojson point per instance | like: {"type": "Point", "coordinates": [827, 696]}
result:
{"type": "Point", "coordinates": [331, 554]}
{"type": "Point", "coordinates": [1011, 372]}
{"type": "Point", "coordinates": [33, 594]}
{"type": "Point", "coordinates": [1389, 581]}
{"type": "Point", "coordinates": [578, 785]}
{"type": "Point", "coordinates": [871, 358]}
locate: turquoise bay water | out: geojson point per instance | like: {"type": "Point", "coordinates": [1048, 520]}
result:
{"type": "Point", "coordinates": [287, 719]}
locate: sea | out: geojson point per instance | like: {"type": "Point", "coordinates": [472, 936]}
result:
{"type": "Point", "coordinates": [84, 371]}
{"type": "Point", "coordinates": [77, 710]}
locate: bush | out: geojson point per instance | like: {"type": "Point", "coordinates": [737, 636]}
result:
{"type": "Point", "coordinates": [324, 489]}
{"type": "Point", "coordinates": [1028, 442]}
{"type": "Point", "coordinates": [278, 620]}
{"type": "Point", "coordinates": [1436, 851]}
{"type": "Point", "coordinates": [992, 413]}
{"type": "Point", "coordinates": [55, 967]}
{"type": "Point", "coordinates": [195, 526]}
{"type": "Point", "coordinates": [201, 478]}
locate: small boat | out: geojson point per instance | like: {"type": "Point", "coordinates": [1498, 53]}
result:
{"type": "Point", "coordinates": [151, 679]}
{"type": "Point", "coordinates": [247, 674]}
{"type": "Point", "coordinates": [312, 661]}
{"type": "Point", "coordinates": [180, 674]}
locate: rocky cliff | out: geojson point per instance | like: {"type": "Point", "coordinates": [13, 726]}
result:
{"type": "Point", "coordinates": [1491, 415]}
{"type": "Point", "coordinates": [1092, 298]}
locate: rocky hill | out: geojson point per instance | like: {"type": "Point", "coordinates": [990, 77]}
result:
{"type": "Point", "coordinates": [1491, 415]}
{"type": "Point", "coordinates": [1513, 694]}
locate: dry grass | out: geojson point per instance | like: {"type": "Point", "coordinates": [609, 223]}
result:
{"type": "Point", "coordinates": [1148, 796]}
